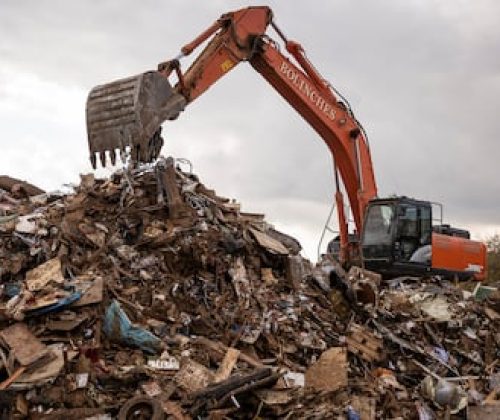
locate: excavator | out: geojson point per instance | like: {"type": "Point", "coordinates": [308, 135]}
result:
{"type": "Point", "coordinates": [393, 236]}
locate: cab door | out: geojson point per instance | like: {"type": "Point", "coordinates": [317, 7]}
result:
{"type": "Point", "coordinates": [414, 234]}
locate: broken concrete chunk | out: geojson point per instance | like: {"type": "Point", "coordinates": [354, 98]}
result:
{"type": "Point", "coordinates": [329, 373]}
{"type": "Point", "coordinates": [81, 380]}
{"type": "Point", "coordinates": [40, 276]}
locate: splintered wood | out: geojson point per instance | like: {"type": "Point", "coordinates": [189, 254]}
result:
{"type": "Point", "coordinates": [227, 364]}
{"type": "Point", "coordinates": [364, 344]}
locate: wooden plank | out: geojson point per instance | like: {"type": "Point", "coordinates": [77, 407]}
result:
{"type": "Point", "coordinates": [23, 344]}
{"type": "Point", "coordinates": [227, 364]}
{"type": "Point", "coordinates": [269, 243]}
{"type": "Point", "coordinates": [329, 373]}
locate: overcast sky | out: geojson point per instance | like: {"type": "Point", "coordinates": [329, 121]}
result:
{"type": "Point", "coordinates": [423, 76]}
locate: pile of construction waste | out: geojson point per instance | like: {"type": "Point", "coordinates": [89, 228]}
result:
{"type": "Point", "coordinates": [146, 295]}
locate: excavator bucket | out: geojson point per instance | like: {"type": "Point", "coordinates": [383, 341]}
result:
{"type": "Point", "coordinates": [126, 115]}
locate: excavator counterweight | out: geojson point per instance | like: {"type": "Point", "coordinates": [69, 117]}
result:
{"type": "Point", "coordinates": [127, 114]}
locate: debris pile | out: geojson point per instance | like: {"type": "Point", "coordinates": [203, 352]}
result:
{"type": "Point", "coordinates": [148, 294]}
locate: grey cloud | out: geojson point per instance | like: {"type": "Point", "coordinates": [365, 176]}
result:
{"type": "Point", "coordinates": [423, 77]}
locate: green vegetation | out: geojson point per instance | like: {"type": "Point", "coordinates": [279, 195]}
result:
{"type": "Point", "coordinates": [493, 245]}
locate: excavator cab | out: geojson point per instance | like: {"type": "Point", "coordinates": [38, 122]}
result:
{"type": "Point", "coordinates": [126, 116]}
{"type": "Point", "coordinates": [399, 238]}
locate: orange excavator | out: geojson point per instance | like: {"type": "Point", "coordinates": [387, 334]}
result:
{"type": "Point", "coordinates": [394, 236]}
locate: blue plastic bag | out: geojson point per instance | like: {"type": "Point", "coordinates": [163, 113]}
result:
{"type": "Point", "coordinates": [118, 328]}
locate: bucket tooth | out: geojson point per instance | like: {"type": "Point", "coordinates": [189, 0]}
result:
{"type": "Point", "coordinates": [93, 160]}
{"type": "Point", "coordinates": [102, 158]}
{"type": "Point", "coordinates": [112, 156]}
{"type": "Point", "coordinates": [123, 155]}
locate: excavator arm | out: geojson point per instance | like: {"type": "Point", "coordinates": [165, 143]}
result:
{"type": "Point", "coordinates": [235, 37]}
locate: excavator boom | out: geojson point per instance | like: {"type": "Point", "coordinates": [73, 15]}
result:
{"type": "Point", "coordinates": [126, 115]}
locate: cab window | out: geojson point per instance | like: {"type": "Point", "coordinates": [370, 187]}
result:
{"type": "Point", "coordinates": [377, 230]}
{"type": "Point", "coordinates": [408, 221]}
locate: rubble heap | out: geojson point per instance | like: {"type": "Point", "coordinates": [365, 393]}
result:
{"type": "Point", "coordinates": [148, 294]}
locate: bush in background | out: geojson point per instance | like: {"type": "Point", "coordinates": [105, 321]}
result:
{"type": "Point", "coordinates": [493, 245]}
